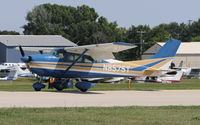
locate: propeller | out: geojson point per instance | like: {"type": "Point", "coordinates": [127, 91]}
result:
{"type": "Point", "coordinates": [24, 58]}
{"type": "Point", "coordinates": [41, 51]}
{"type": "Point", "coordinates": [21, 51]}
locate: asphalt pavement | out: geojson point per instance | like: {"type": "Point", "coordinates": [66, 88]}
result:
{"type": "Point", "coordinates": [100, 98]}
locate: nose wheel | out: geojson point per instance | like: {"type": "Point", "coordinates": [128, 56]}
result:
{"type": "Point", "coordinates": [38, 85]}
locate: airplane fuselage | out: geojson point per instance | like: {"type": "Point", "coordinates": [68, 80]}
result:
{"type": "Point", "coordinates": [50, 65]}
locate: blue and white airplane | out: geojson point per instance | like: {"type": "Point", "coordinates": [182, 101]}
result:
{"type": "Point", "coordinates": [68, 63]}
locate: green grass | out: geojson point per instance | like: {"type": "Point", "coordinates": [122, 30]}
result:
{"type": "Point", "coordinates": [166, 115]}
{"type": "Point", "coordinates": [25, 84]}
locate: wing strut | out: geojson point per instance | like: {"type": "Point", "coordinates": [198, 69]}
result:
{"type": "Point", "coordinates": [68, 68]}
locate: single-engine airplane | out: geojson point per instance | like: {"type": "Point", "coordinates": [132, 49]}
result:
{"type": "Point", "coordinates": [68, 63]}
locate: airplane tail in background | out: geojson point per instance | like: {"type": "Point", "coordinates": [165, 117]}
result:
{"type": "Point", "coordinates": [180, 65]}
{"type": "Point", "coordinates": [18, 69]}
{"type": "Point", "coordinates": [22, 73]}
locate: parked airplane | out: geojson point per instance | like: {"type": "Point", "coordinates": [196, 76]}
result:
{"type": "Point", "coordinates": [7, 73]}
{"type": "Point", "coordinates": [172, 78]}
{"type": "Point", "coordinates": [21, 65]}
{"type": "Point", "coordinates": [23, 73]}
{"type": "Point", "coordinates": [21, 69]}
{"type": "Point", "coordinates": [189, 72]}
{"type": "Point", "coordinates": [81, 62]}
{"type": "Point", "coordinates": [161, 79]}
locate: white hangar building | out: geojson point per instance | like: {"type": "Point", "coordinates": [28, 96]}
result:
{"type": "Point", "coordinates": [188, 52]}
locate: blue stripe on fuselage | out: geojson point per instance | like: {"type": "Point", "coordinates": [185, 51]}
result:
{"type": "Point", "coordinates": [142, 68]}
{"type": "Point", "coordinates": [73, 74]}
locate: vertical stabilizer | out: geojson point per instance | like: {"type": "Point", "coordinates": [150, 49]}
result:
{"type": "Point", "coordinates": [168, 50]}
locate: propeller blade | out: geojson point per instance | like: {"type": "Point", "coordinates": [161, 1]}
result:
{"type": "Point", "coordinates": [41, 51]}
{"type": "Point", "coordinates": [22, 51]}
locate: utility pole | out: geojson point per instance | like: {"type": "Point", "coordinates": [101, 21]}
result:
{"type": "Point", "coordinates": [190, 29]}
{"type": "Point", "coordinates": [141, 41]}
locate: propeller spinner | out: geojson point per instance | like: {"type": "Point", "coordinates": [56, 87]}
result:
{"type": "Point", "coordinates": [24, 58]}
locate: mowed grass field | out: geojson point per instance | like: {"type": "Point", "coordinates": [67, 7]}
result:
{"type": "Point", "coordinates": [133, 115]}
{"type": "Point", "coordinates": [25, 84]}
{"type": "Point", "coordinates": [167, 115]}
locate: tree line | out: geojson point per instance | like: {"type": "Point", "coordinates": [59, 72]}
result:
{"type": "Point", "coordinates": [83, 25]}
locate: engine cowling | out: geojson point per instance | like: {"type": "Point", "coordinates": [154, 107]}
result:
{"type": "Point", "coordinates": [84, 86]}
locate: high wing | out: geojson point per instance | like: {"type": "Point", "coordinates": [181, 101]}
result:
{"type": "Point", "coordinates": [101, 51]}
{"type": "Point", "coordinates": [96, 51]}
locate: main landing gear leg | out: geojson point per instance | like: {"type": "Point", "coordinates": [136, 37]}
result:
{"type": "Point", "coordinates": [62, 83]}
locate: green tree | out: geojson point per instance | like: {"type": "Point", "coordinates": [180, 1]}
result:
{"type": "Point", "coordinates": [196, 39]}
{"type": "Point", "coordinates": [81, 24]}
{"type": "Point", "coordinates": [159, 34]}
{"type": "Point", "coordinates": [5, 32]}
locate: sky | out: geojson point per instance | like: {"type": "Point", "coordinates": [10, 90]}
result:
{"type": "Point", "coordinates": [125, 12]}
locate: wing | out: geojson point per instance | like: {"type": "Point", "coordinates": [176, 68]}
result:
{"type": "Point", "coordinates": [96, 51]}
{"type": "Point", "coordinates": [101, 51]}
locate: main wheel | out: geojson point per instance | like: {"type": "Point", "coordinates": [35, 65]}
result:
{"type": "Point", "coordinates": [59, 89]}
{"type": "Point", "coordinates": [83, 90]}
{"type": "Point", "coordinates": [37, 89]}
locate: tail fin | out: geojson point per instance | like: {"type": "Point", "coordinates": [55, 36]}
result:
{"type": "Point", "coordinates": [180, 65]}
{"type": "Point", "coordinates": [168, 50]}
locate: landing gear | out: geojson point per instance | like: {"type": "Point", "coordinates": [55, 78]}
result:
{"type": "Point", "coordinates": [38, 85]}
{"type": "Point", "coordinates": [62, 83]}
{"type": "Point", "coordinates": [84, 86]}
{"type": "Point", "coordinates": [37, 89]}
{"type": "Point", "coordinates": [83, 90]}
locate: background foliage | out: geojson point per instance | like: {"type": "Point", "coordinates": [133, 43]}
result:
{"type": "Point", "coordinates": [83, 25]}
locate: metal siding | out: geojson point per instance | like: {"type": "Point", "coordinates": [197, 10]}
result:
{"type": "Point", "coordinates": [187, 48]}
{"type": "Point", "coordinates": [35, 40]}
{"type": "Point", "coordinates": [188, 60]}
{"type": "Point", "coordinates": [14, 56]}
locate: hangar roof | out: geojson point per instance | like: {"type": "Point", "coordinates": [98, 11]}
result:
{"type": "Point", "coordinates": [35, 40]}
{"type": "Point", "coordinates": [187, 47]}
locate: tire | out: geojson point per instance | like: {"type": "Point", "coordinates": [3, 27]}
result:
{"type": "Point", "coordinates": [59, 89]}
{"type": "Point", "coordinates": [36, 89]}
{"type": "Point", "coordinates": [83, 90]}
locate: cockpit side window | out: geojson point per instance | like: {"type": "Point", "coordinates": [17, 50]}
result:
{"type": "Point", "coordinates": [88, 59]}
{"type": "Point", "coordinates": [74, 56]}
{"type": "Point", "coordinates": [84, 59]}
{"type": "Point", "coordinates": [60, 53]}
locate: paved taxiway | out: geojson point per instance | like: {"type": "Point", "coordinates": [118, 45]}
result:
{"type": "Point", "coordinates": [99, 98]}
